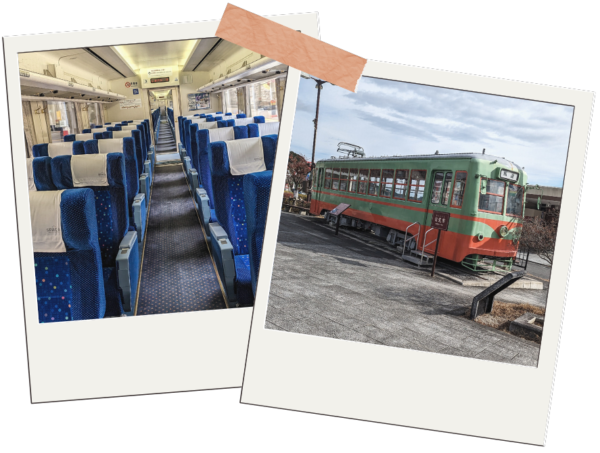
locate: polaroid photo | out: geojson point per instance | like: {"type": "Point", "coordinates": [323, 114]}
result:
{"type": "Point", "coordinates": [128, 146]}
{"type": "Point", "coordinates": [424, 231]}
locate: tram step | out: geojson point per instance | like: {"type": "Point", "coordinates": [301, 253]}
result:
{"type": "Point", "coordinates": [416, 261]}
{"type": "Point", "coordinates": [418, 253]}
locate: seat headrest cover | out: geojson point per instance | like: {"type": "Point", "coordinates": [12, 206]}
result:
{"type": "Point", "coordinates": [121, 134]}
{"type": "Point", "coordinates": [268, 128]}
{"type": "Point", "coordinates": [46, 227]}
{"type": "Point", "coordinates": [61, 149]}
{"type": "Point", "coordinates": [89, 170]}
{"type": "Point", "coordinates": [129, 128]}
{"type": "Point", "coordinates": [222, 134]}
{"type": "Point", "coordinates": [245, 156]}
{"type": "Point", "coordinates": [84, 137]}
{"type": "Point", "coordinates": [110, 145]}
{"type": "Point", "coordinates": [243, 121]}
{"type": "Point", "coordinates": [30, 174]}
{"type": "Point", "coordinates": [198, 120]}
{"type": "Point", "coordinates": [212, 125]}
{"type": "Point", "coordinates": [98, 129]}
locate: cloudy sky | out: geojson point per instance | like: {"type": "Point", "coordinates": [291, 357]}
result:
{"type": "Point", "coordinates": [396, 118]}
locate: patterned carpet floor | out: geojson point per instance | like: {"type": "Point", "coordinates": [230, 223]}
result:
{"type": "Point", "coordinates": [177, 272]}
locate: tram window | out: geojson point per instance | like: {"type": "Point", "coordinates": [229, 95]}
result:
{"type": "Point", "coordinates": [491, 196]}
{"type": "Point", "coordinates": [344, 179]}
{"type": "Point", "coordinates": [400, 184]}
{"type": "Point", "coordinates": [437, 187]}
{"type": "Point", "coordinates": [446, 188]}
{"type": "Point", "coordinates": [387, 183]}
{"type": "Point", "coordinates": [335, 182]}
{"type": "Point", "coordinates": [417, 185]}
{"type": "Point", "coordinates": [328, 178]}
{"type": "Point", "coordinates": [514, 202]}
{"type": "Point", "coordinates": [353, 180]}
{"type": "Point", "coordinates": [458, 193]}
{"type": "Point", "coordinates": [374, 182]}
{"type": "Point", "coordinates": [362, 181]}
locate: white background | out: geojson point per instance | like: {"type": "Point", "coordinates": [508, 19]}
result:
{"type": "Point", "coordinates": [173, 352]}
{"type": "Point", "coordinates": [400, 386]}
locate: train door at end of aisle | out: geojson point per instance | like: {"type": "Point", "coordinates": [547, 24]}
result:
{"type": "Point", "coordinates": [439, 199]}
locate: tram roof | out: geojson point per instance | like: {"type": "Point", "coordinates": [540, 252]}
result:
{"type": "Point", "coordinates": [480, 156]}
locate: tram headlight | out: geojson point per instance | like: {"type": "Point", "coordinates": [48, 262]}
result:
{"type": "Point", "coordinates": [503, 231]}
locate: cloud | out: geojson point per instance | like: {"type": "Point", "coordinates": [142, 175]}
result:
{"type": "Point", "coordinates": [390, 118]}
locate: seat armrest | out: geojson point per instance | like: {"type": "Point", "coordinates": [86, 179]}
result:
{"type": "Point", "coordinates": [139, 215]}
{"type": "Point", "coordinates": [145, 187]}
{"type": "Point", "coordinates": [148, 169]}
{"type": "Point", "coordinates": [222, 252]}
{"type": "Point", "coordinates": [204, 208]}
{"type": "Point", "coordinates": [128, 270]}
{"type": "Point", "coordinates": [193, 179]}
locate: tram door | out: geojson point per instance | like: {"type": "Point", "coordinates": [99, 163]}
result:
{"type": "Point", "coordinates": [439, 199]}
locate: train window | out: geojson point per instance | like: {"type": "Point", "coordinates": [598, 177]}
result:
{"type": "Point", "coordinates": [362, 181]}
{"type": "Point", "coordinates": [263, 100]}
{"type": "Point", "coordinates": [328, 178]}
{"type": "Point", "coordinates": [437, 187]}
{"type": "Point", "coordinates": [344, 179]}
{"type": "Point", "coordinates": [514, 202]}
{"type": "Point", "coordinates": [417, 185]}
{"type": "Point", "coordinates": [458, 193]}
{"type": "Point", "coordinates": [335, 182]}
{"type": "Point", "coordinates": [387, 183]}
{"type": "Point", "coordinates": [374, 182]}
{"type": "Point", "coordinates": [353, 180]}
{"type": "Point", "coordinates": [446, 188]}
{"type": "Point", "coordinates": [400, 184]}
{"type": "Point", "coordinates": [230, 101]}
{"type": "Point", "coordinates": [491, 196]}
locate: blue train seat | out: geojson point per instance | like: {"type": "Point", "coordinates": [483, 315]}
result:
{"type": "Point", "coordinates": [105, 175]}
{"type": "Point", "coordinates": [144, 166]}
{"type": "Point", "coordinates": [204, 194]}
{"type": "Point", "coordinates": [136, 200]}
{"type": "Point", "coordinates": [240, 115]}
{"type": "Point", "coordinates": [79, 137]}
{"type": "Point", "coordinates": [57, 149]}
{"type": "Point", "coordinates": [41, 168]}
{"type": "Point", "coordinates": [257, 190]}
{"type": "Point", "coordinates": [94, 130]}
{"type": "Point", "coordinates": [230, 161]}
{"type": "Point", "coordinates": [68, 267]}
{"type": "Point", "coordinates": [260, 129]}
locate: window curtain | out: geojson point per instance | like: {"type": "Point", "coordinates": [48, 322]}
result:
{"type": "Point", "coordinates": [28, 127]}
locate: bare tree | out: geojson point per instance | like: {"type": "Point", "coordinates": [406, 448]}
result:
{"type": "Point", "coordinates": [539, 235]}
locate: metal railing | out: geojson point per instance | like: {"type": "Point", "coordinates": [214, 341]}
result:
{"type": "Point", "coordinates": [412, 238]}
{"type": "Point", "coordinates": [426, 245]}
{"type": "Point", "coordinates": [522, 258]}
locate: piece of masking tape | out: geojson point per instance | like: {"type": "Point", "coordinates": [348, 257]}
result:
{"type": "Point", "coordinates": [290, 47]}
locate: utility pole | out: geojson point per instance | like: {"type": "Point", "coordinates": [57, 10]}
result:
{"type": "Point", "coordinates": [319, 87]}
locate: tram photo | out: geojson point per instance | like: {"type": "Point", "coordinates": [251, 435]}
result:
{"type": "Point", "coordinates": [407, 205]}
{"type": "Point", "coordinates": [134, 155]}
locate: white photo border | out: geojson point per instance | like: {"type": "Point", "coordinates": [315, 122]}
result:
{"type": "Point", "coordinates": [137, 355]}
{"type": "Point", "coordinates": [414, 388]}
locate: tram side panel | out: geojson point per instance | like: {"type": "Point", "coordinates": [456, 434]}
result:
{"type": "Point", "coordinates": [471, 231]}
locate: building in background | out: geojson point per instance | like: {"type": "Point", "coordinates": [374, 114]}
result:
{"type": "Point", "coordinates": [539, 201]}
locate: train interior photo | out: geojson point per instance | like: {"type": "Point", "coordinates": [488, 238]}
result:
{"type": "Point", "coordinates": [149, 169]}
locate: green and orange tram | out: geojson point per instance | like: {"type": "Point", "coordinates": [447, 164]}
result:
{"type": "Point", "coordinates": [395, 196]}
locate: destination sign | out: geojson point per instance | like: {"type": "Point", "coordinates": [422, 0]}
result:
{"type": "Point", "coordinates": [159, 80]}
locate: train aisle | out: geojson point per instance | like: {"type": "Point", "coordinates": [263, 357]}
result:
{"type": "Point", "coordinates": [177, 271]}
{"type": "Point", "coordinates": [166, 141]}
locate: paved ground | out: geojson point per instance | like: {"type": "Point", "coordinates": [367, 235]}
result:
{"type": "Point", "coordinates": [340, 287]}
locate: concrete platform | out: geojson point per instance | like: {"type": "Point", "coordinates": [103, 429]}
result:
{"type": "Point", "coordinates": [345, 288]}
